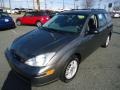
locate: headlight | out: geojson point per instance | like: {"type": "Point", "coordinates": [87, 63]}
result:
{"type": "Point", "coordinates": [40, 60]}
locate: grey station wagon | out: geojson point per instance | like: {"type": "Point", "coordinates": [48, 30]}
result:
{"type": "Point", "coordinates": [55, 50]}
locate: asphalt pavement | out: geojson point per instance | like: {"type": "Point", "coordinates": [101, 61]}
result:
{"type": "Point", "coordinates": [100, 71]}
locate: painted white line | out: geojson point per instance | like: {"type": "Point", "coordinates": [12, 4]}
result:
{"type": "Point", "coordinates": [14, 32]}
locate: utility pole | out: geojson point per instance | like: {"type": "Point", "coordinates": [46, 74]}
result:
{"type": "Point", "coordinates": [51, 2]}
{"type": "Point", "coordinates": [99, 4]}
{"type": "Point", "coordinates": [10, 6]}
{"type": "Point", "coordinates": [28, 4]}
{"type": "Point", "coordinates": [38, 5]}
{"type": "Point", "coordinates": [74, 4]}
{"type": "Point", "coordinates": [86, 4]}
{"type": "Point", "coordinates": [63, 5]}
{"type": "Point", "coordinates": [105, 6]}
{"type": "Point", "coordinates": [33, 5]}
{"type": "Point", "coordinates": [45, 5]}
{"type": "Point", "coordinates": [1, 4]}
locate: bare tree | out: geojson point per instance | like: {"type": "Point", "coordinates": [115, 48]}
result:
{"type": "Point", "coordinates": [88, 3]}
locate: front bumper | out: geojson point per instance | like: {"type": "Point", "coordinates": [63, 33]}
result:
{"type": "Point", "coordinates": [31, 74]}
{"type": "Point", "coordinates": [7, 25]}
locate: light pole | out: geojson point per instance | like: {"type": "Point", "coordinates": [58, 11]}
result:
{"type": "Point", "coordinates": [63, 5]}
{"type": "Point", "coordinates": [38, 5]}
{"type": "Point", "coordinates": [28, 4]}
{"type": "Point", "coordinates": [1, 4]}
{"type": "Point", "coordinates": [33, 5]}
{"type": "Point", "coordinates": [45, 5]}
{"type": "Point", "coordinates": [74, 4]}
{"type": "Point", "coordinates": [86, 4]}
{"type": "Point", "coordinates": [99, 4]}
{"type": "Point", "coordinates": [10, 5]}
{"type": "Point", "coordinates": [51, 2]}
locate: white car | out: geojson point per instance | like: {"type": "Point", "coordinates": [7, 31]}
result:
{"type": "Point", "coordinates": [116, 15]}
{"type": "Point", "coordinates": [10, 11]}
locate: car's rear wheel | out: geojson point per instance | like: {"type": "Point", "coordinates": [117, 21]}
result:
{"type": "Point", "coordinates": [38, 24]}
{"type": "Point", "coordinates": [70, 69]}
{"type": "Point", "coordinates": [18, 22]}
{"type": "Point", "coordinates": [106, 44]}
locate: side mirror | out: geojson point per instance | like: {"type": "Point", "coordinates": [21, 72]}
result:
{"type": "Point", "coordinates": [93, 32]}
{"type": "Point", "coordinates": [96, 32]}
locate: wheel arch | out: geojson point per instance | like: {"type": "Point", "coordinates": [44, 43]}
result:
{"type": "Point", "coordinates": [110, 34]}
{"type": "Point", "coordinates": [65, 58]}
{"type": "Point", "coordinates": [38, 21]}
{"type": "Point", "coordinates": [18, 19]}
{"type": "Point", "coordinates": [79, 56]}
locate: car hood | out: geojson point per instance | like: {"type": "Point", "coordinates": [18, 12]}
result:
{"type": "Point", "coordinates": [6, 21]}
{"type": "Point", "coordinates": [39, 42]}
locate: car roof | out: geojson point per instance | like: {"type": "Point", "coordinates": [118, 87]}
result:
{"type": "Point", "coordinates": [39, 11]}
{"type": "Point", "coordinates": [84, 11]}
{"type": "Point", "coordinates": [2, 12]}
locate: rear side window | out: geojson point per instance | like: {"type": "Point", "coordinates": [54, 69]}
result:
{"type": "Point", "coordinates": [3, 14]}
{"type": "Point", "coordinates": [28, 14]}
{"type": "Point", "coordinates": [101, 20]}
{"type": "Point", "coordinates": [108, 17]}
{"type": "Point", "coordinates": [40, 14]}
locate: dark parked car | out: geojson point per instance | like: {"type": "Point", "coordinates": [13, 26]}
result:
{"type": "Point", "coordinates": [1, 10]}
{"type": "Point", "coordinates": [55, 50]}
{"type": "Point", "coordinates": [6, 22]}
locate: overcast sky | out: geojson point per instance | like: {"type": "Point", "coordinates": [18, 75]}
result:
{"type": "Point", "coordinates": [54, 4]}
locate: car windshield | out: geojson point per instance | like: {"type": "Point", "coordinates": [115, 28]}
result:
{"type": "Point", "coordinates": [28, 14]}
{"type": "Point", "coordinates": [3, 14]}
{"type": "Point", "coordinates": [35, 14]}
{"type": "Point", "coordinates": [66, 23]}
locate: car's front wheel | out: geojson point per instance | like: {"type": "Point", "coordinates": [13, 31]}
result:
{"type": "Point", "coordinates": [38, 24]}
{"type": "Point", "coordinates": [18, 22]}
{"type": "Point", "coordinates": [70, 69]}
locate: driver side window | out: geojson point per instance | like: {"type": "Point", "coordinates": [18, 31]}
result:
{"type": "Point", "coordinates": [92, 24]}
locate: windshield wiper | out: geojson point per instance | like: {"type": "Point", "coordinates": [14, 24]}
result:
{"type": "Point", "coordinates": [56, 30]}
{"type": "Point", "coordinates": [52, 29]}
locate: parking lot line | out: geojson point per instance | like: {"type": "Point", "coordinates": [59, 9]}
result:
{"type": "Point", "coordinates": [14, 31]}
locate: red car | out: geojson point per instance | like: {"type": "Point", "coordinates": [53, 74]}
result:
{"type": "Point", "coordinates": [37, 18]}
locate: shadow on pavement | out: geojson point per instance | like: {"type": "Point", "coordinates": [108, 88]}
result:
{"type": "Point", "coordinates": [13, 82]}
{"type": "Point", "coordinates": [116, 32]}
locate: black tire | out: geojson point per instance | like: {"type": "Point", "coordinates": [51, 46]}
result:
{"type": "Point", "coordinates": [38, 24]}
{"type": "Point", "coordinates": [106, 44]}
{"type": "Point", "coordinates": [18, 23]}
{"type": "Point", "coordinates": [63, 76]}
